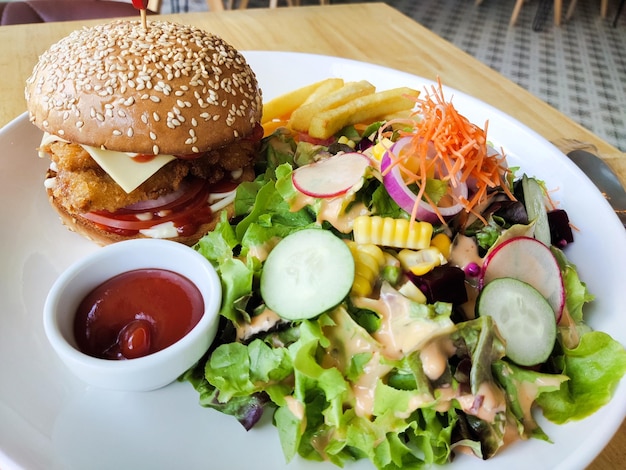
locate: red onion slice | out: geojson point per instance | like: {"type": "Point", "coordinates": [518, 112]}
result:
{"type": "Point", "coordinates": [163, 200]}
{"type": "Point", "coordinates": [405, 198]}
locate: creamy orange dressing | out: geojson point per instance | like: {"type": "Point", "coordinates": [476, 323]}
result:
{"type": "Point", "coordinates": [262, 250]}
{"type": "Point", "coordinates": [300, 201]}
{"type": "Point", "coordinates": [444, 397]}
{"type": "Point", "coordinates": [527, 394]}
{"type": "Point", "coordinates": [469, 306]}
{"type": "Point", "coordinates": [568, 330]}
{"type": "Point", "coordinates": [261, 322]}
{"type": "Point", "coordinates": [296, 408]}
{"type": "Point", "coordinates": [348, 340]}
{"type": "Point", "coordinates": [486, 404]}
{"type": "Point", "coordinates": [364, 389]}
{"type": "Point", "coordinates": [435, 355]}
{"type": "Point", "coordinates": [416, 401]}
{"type": "Point", "coordinates": [400, 333]}
{"type": "Point", "coordinates": [463, 252]}
{"type": "Point", "coordinates": [331, 210]}
{"type": "Point", "coordinates": [321, 440]}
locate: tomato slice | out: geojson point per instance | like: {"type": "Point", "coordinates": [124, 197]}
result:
{"type": "Point", "coordinates": [187, 211]}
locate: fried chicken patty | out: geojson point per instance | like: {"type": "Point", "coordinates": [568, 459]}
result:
{"type": "Point", "coordinates": [80, 185]}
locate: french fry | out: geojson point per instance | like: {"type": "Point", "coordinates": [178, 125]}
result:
{"type": "Point", "coordinates": [302, 116]}
{"type": "Point", "coordinates": [362, 109]}
{"type": "Point", "coordinates": [285, 104]}
{"type": "Point", "coordinates": [406, 114]}
{"type": "Point", "coordinates": [330, 85]}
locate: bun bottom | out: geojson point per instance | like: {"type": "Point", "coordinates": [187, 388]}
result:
{"type": "Point", "coordinates": [102, 237]}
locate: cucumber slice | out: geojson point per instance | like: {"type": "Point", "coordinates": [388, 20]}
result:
{"type": "Point", "coordinates": [307, 273]}
{"type": "Point", "coordinates": [528, 260]}
{"type": "Point", "coordinates": [524, 318]}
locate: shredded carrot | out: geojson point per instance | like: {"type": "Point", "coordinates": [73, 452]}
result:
{"type": "Point", "coordinates": [448, 145]}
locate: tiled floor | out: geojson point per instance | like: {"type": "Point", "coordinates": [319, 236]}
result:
{"type": "Point", "coordinates": [579, 68]}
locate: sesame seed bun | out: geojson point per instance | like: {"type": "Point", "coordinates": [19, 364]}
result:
{"type": "Point", "coordinates": [163, 90]}
{"type": "Point", "coordinates": [166, 89]}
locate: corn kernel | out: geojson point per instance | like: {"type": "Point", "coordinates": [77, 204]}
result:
{"type": "Point", "coordinates": [373, 251]}
{"type": "Point", "coordinates": [368, 260]}
{"type": "Point", "coordinates": [419, 237]}
{"type": "Point", "coordinates": [344, 140]}
{"type": "Point", "coordinates": [443, 243]}
{"type": "Point", "coordinates": [361, 287]}
{"type": "Point", "coordinates": [380, 148]}
{"type": "Point", "coordinates": [422, 261]}
{"type": "Point", "coordinates": [387, 231]}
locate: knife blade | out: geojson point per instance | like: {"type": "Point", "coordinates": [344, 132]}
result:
{"type": "Point", "coordinates": [604, 178]}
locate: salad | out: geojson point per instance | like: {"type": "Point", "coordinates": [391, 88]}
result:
{"type": "Point", "coordinates": [397, 293]}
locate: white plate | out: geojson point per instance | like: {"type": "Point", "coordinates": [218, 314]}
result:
{"type": "Point", "coordinates": [49, 420]}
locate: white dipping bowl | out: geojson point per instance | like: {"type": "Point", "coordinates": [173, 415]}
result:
{"type": "Point", "coordinates": [148, 372]}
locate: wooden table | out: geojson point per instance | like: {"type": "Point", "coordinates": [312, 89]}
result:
{"type": "Point", "coordinates": [369, 32]}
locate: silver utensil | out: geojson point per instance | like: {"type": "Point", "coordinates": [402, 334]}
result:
{"type": "Point", "coordinates": [603, 177]}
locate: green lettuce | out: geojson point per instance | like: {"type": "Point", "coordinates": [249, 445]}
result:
{"type": "Point", "coordinates": [595, 368]}
{"type": "Point", "coordinates": [334, 393]}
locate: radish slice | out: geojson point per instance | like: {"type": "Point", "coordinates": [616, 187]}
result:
{"type": "Point", "coordinates": [528, 260]}
{"type": "Point", "coordinates": [405, 198]}
{"type": "Point", "coordinates": [332, 176]}
{"type": "Point", "coordinates": [524, 319]}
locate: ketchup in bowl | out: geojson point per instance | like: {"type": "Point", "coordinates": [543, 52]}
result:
{"type": "Point", "coordinates": [137, 313]}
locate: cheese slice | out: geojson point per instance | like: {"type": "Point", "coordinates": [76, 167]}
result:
{"type": "Point", "coordinates": [124, 169]}
{"type": "Point", "coordinates": [121, 166]}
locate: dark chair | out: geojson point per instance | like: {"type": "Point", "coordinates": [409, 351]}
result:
{"type": "Point", "coordinates": [619, 12]}
{"type": "Point", "coordinates": [44, 11]}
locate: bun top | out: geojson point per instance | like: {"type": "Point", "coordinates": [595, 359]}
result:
{"type": "Point", "coordinates": [166, 89]}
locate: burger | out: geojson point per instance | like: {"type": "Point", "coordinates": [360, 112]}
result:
{"type": "Point", "coordinates": [149, 129]}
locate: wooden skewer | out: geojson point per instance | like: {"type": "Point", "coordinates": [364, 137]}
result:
{"type": "Point", "coordinates": [143, 18]}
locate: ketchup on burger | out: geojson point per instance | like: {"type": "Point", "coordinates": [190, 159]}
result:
{"type": "Point", "coordinates": [149, 130]}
